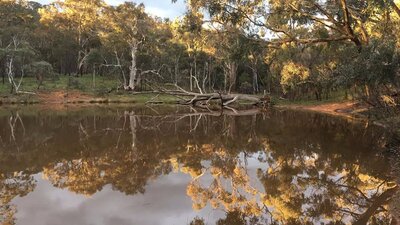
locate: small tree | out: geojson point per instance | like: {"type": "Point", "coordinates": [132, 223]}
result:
{"type": "Point", "coordinates": [373, 72]}
{"type": "Point", "coordinates": [292, 76]}
{"type": "Point", "coordinates": [40, 70]}
{"type": "Point", "coordinates": [16, 54]}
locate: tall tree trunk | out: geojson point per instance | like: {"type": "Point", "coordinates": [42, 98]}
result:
{"type": "Point", "coordinates": [255, 80]}
{"type": "Point", "coordinates": [133, 70]}
{"type": "Point", "coordinates": [122, 70]}
{"type": "Point", "coordinates": [82, 56]}
{"type": "Point", "coordinates": [80, 63]}
{"type": "Point", "coordinates": [176, 70]}
{"type": "Point", "coordinates": [232, 74]}
{"type": "Point", "coordinates": [3, 72]}
{"type": "Point", "coordinates": [10, 74]}
{"type": "Point", "coordinates": [209, 68]}
{"type": "Point", "coordinates": [94, 77]}
{"type": "Point", "coordinates": [225, 78]}
{"type": "Point", "coordinates": [395, 7]}
{"type": "Point", "coordinates": [191, 78]}
{"type": "Point", "coordinates": [205, 77]}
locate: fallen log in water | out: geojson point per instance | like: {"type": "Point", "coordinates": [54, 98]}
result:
{"type": "Point", "coordinates": [204, 99]}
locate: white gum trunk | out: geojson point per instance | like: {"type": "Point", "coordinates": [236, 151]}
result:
{"type": "Point", "coordinates": [133, 76]}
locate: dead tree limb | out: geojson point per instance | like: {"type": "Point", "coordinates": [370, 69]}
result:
{"type": "Point", "coordinates": [201, 99]}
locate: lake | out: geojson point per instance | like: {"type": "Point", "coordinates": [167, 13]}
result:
{"type": "Point", "coordinates": [143, 165]}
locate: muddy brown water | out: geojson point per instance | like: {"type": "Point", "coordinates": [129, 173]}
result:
{"type": "Point", "coordinates": [140, 165]}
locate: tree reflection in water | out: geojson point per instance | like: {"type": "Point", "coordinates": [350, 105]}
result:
{"type": "Point", "coordinates": [311, 169]}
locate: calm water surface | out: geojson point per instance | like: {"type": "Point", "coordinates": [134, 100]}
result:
{"type": "Point", "coordinates": [149, 166]}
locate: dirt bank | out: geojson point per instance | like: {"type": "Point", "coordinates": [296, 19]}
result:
{"type": "Point", "coordinates": [59, 97]}
{"type": "Point", "coordinates": [62, 97]}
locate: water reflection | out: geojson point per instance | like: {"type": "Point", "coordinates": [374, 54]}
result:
{"type": "Point", "coordinates": [276, 167]}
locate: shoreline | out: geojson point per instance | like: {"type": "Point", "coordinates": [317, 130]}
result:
{"type": "Point", "coordinates": [75, 98]}
{"type": "Point", "coordinates": [349, 109]}
{"type": "Point", "coordinates": [346, 109]}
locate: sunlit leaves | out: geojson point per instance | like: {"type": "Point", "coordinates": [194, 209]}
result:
{"type": "Point", "coordinates": [73, 15]}
{"type": "Point", "coordinates": [292, 74]}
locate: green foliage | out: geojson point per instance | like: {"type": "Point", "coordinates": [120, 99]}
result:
{"type": "Point", "coordinates": [375, 70]}
{"type": "Point", "coordinates": [75, 83]}
{"type": "Point", "coordinates": [301, 49]}
{"type": "Point", "coordinates": [292, 75]}
{"type": "Point", "coordinates": [94, 57]}
{"type": "Point", "coordinates": [41, 68]}
{"type": "Point", "coordinates": [246, 87]}
{"type": "Point", "coordinates": [376, 64]}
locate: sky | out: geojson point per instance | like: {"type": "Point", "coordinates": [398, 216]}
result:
{"type": "Point", "coordinates": [160, 8]}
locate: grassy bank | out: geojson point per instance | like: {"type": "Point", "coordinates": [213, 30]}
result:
{"type": "Point", "coordinates": [66, 89]}
{"type": "Point", "coordinates": [61, 89]}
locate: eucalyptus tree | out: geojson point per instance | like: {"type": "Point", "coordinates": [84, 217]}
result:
{"type": "Point", "coordinates": [231, 52]}
{"type": "Point", "coordinates": [190, 33]}
{"type": "Point", "coordinates": [129, 25]}
{"type": "Point", "coordinates": [302, 22]}
{"type": "Point", "coordinates": [77, 19]}
{"type": "Point", "coordinates": [18, 19]}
